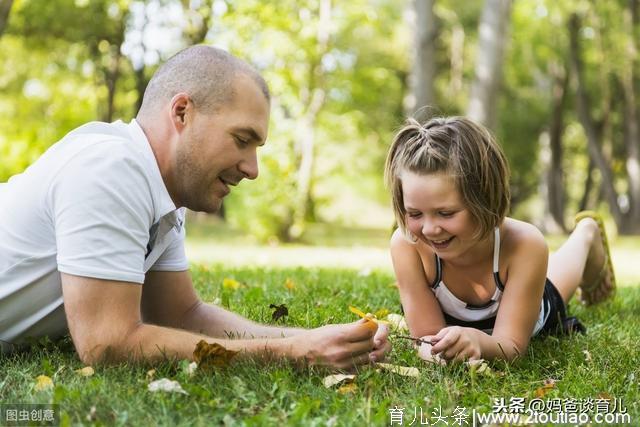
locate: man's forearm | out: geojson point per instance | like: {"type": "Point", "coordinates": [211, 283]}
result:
{"type": "Point", "coordinates": [153, 343]}
{"type": "Point", "coordinates": [215, 321]}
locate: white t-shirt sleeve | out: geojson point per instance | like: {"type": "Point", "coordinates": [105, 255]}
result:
{"type": "Point", "coordinates": [102, 206]}
{"type": "Point", "coordinates": [174, 257]}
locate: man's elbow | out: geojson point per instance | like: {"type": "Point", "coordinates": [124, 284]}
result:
{"type": "Point", "coordinates": [105, 349]}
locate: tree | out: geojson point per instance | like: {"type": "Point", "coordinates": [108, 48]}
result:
{"type": "Point", "coordinates": [424, 64]}
{"type": "Point", "coordinates": [5, 8]}
{"type": "Point", "coordinates": [627, 217]}
{"type": "Point", "coordinates": [488, 70]}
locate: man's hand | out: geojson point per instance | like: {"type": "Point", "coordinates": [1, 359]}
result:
{"type": "Point", "coordinates": [456, 343]}
{"type": "Point", "coordinates": [381, 345]}
{"type": "Point", "coordinates": [339, 346]}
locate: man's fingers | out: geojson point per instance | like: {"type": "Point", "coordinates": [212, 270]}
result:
{"type": "Point", "coordinates": [363, 329]}
{"type": "Point", "coordinates": [379, 354]}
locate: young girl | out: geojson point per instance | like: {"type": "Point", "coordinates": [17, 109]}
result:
{"type": "Point", "coordinates": [474, 283]}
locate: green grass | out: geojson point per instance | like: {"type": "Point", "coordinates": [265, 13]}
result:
{"type": "Point", "coordinates": [279, 394]}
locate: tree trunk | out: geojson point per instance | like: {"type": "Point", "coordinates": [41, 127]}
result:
{"type": "Point", "coordinates": [5, 8]}
{"type": "Point", "coordinates": [488, 71]}
{"type": "Point", "coordinates": [631, 126]}
{"type": "Point", "coordinates": [307, 125]}
{"type": "Point", "coordinates": [588, 185]}
{"type": "Point", "coordinates": [588, 123]}
{"type": "Point", "coordinates": [424, 64]}
{"type": "Point", "coordinates": [555, 179]}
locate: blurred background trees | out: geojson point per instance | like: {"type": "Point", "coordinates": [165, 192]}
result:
{"type": "Point", "coordinates": [556, 81]}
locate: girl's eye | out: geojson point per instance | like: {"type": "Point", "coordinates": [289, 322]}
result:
{"type": "Point", "coordinates": [414, 214]}
{"type": "Point", "coordinates": [446, 214]}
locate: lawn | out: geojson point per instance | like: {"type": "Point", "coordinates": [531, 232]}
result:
{"type": "Point", "coordinates": [598, 369]}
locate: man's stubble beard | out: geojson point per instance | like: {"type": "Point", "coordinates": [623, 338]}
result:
{"type": "Point", "coordinates": [194, 193]}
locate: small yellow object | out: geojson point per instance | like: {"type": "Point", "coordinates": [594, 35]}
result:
{"type": "Point", "coordinates": [228, 283]}
{"type": "Point", "coordinates": [348, 388]}
{"type": "Point", "coordinates": [367, 316]}
{"type": "Point", "coordinates": [87, 371]}
{"type": "Point", "coordinates": [289, 284]}
{"type": "Point", "coordinates": [43, 382]}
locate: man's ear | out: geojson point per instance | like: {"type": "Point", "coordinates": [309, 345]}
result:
{"type": "Point", "coordinates": [181, 107]}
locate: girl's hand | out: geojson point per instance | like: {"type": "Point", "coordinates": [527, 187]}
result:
{"type": "Point", "coordinates": [456, 343]}
{"type": "Point", "coordinates": [425, 353]}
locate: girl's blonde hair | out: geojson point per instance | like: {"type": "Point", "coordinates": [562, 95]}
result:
{"type": "Point", "coordinates": [462, 149]}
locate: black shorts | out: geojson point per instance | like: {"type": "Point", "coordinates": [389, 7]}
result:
{"type": "Point", "coordinates": [558, 323]}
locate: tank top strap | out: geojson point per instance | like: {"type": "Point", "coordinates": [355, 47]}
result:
{"type": "Point", "coordinates": [438, 277]}
{"type": "Point", "coordinates": [496, 258]}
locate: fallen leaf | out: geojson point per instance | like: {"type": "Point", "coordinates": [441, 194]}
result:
{"type": "Point", "coordinates": [289, 284]}
{"type": "Point", "coordinates": [279, 311]}
{"type": "Point", "coordinates": [233, 284]}
{"type": "Point", "coordinates": [332, 380]}
{"type": "Point", "coordinates": [604, 395]}
{"type": "Point", "coordinates": [87, 371]}
{"type": "Point", "coordinates": [478, 366]}
{"type": "Point", "coordinates": [43, 382]}
{"type": "Point", "coordinates": [397, 322]}
{"type": "Point", "coordinates": [382, 313]}
{"type": "Point", "coordinates": [367, 316]}
{"type": "Point", "coordinates": [587, 355]}
{"type": "Point", "coordinates": [150, 374]}
{"type": "Point", "coordinates": [548, 385]}
{"type": "Point", "coordinates": [191, 369]}
{"type": "Point", "coordinates": [406, 371]}
{"type": "Point", "coordinates": [210, 356]}
{"type": "Point", "coordinates": [166, 385]}
{"type": "Point", "coordinates": [91, 416]}
{"type": "Point", "coordinates": [348, 388]}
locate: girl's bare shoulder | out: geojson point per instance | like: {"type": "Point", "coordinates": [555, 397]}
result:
{"type": "Point", "coordinates": [522, 237]}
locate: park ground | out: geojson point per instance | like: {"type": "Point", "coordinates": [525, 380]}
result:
{"type": "Point", "coordinates": [593, 373]}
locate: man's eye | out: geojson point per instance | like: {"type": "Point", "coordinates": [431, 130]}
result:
{"type": "Point", "coordinates": [241, 142]}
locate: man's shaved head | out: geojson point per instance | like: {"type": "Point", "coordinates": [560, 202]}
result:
{"type": "Point", "coordinates": [205, 73]}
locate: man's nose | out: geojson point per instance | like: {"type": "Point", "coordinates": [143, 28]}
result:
{"type": "Point", "coordinates": [249, 165]}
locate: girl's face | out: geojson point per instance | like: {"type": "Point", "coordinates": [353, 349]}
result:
{"type": "Point", "coordinates": [436, 214]}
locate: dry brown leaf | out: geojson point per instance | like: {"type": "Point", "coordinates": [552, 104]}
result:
{"type": "Point", "coordinates": [211, 356]}
{"type": "Point", "coordinates": [279, 311]}
{"type": "Point", "coordinates": [548, 385]}
{"type": "Point", "coordinates": [332, 380]}
{"type": "Point", "coordinates": [604, 395]}
{"type": "Point", "coordinates": [407, 371]}
{"type": "Point", "coordinates": [87, 371]}
{"type": "Point", "coordinates": [43, 382]}
{"type": "Point", "coordinates": [348, 388]}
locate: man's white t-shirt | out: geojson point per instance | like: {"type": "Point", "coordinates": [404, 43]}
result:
{"type": "Point", "coordinates": [93, 205]}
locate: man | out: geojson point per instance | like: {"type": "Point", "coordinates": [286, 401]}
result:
{"type": "Point", "coordinates": [92, 236]}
